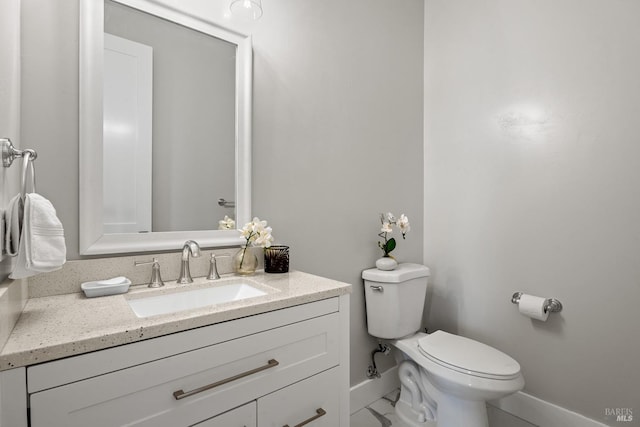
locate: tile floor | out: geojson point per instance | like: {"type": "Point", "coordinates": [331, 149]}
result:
{"type": "Point", "coordinates": [382, 413]}
{"type": "Point", "coordinates": [379, 413]}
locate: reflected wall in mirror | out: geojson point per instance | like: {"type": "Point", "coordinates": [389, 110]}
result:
{"type": "Point", "coordinates": [165, 128]}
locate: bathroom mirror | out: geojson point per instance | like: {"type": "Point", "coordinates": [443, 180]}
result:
{"type": "Point", "coordinates": [165, 128]}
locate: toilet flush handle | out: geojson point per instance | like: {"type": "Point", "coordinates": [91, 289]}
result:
{"type": "Point", "coordinates": [377, 288]}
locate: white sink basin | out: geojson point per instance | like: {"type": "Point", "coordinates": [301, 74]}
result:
{"type": "Point", "coordinates": [196, 298]}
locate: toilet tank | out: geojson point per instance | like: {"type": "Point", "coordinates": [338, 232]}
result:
{"type": "Point", "coordinates": [395, 300]}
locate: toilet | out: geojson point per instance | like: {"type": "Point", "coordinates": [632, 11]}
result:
{"type": "Point", "coordinates": [444, 377]}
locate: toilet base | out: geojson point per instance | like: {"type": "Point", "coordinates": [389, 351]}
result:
{"type": "Point", "coordinates": [454, 412]}
{"type": "Point", "coordinates": [408, 416]}
{"type": "Point", "coordinates": [450, 412]}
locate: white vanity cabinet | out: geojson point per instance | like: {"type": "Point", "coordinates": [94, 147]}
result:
{"type": "Point", "coordinates": [274, 369]}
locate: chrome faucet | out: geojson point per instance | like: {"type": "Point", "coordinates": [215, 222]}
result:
{"type": "Point", "coordinates": [190, 247]}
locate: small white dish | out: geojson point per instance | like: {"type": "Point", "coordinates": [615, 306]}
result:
{"type": "Point", "coordinates": [100, 288]}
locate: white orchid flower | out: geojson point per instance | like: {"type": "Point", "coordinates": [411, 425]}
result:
{"type": "Point", "coordinates": [258, 224]}
{"type": "Point", "coordinates": [403, 223]}
{"type": "Point", "coordinates": [264, 238]}
{"type": "Point", "coordinates": [388, 221]}
{"type": "Point", "coordinates": [226, 223]}
{"type": "Point", "coordinates": [257, 233]}
{"type": "Point", "coordinates": [247, 230]}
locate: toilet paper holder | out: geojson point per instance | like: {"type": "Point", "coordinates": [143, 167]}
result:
{"type": "Point", "coordinates": [551, 305]}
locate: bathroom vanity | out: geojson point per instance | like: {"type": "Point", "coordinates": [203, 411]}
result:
{"type": "Point", "coordinates": [273, 360]}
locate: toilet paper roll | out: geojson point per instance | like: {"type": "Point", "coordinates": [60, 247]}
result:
{"type": "Point", "coordinates": [532, 306]}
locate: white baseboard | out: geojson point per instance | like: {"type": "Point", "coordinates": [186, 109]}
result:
{"type": "Point", "coordinates": [522, 405]}
{"type": "Point", "coordinates": [369, 391]}
{"type": "Point", "coordinates": [542, 413]}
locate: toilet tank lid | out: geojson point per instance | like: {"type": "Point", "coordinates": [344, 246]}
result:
{"type": "Point", "coordinates": [402, 273]}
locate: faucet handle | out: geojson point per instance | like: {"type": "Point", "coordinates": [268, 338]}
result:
{"type": "Point", "coordinates": [156, 280]}
{"type": "Point", "coordinates": [213, 266]}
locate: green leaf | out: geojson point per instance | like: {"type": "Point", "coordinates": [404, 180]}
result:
{"type": "Point", "coordinates": [391, 245]}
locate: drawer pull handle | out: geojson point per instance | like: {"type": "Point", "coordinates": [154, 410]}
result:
{"type": "Point", "coordinates": [319, 412]}
{"type": "Point", "coordinates": [180, 394]}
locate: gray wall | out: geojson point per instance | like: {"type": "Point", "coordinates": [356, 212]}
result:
{"type": "Point", "coordinates": [9, 104]}
{"type": "Point", "coordinates": [338, 136]}
{"type": "Point", "coordinates": [338, 90]}
{"type": "Point", "coordinates": [532, 184]}
{"type": "Point", "coordinates": [50, 104]}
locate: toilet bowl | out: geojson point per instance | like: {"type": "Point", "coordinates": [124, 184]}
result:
{"type": "Point", "coordinates": [444, 377]}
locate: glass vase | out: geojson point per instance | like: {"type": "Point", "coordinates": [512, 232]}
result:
{"type": "Point", "coordinates": [245, 261]}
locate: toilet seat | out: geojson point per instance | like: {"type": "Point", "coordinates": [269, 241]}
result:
{"type": "Point", "coordinates": [467, 356]}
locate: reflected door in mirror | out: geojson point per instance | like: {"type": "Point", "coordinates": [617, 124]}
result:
{"type": "Point", "coordinates": [127, 135]}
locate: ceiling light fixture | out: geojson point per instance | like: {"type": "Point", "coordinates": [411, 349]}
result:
{"type": "Point", "coordinates": [247, 10]}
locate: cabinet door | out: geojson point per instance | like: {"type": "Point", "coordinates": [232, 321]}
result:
{"type": "Point", "coordinates": [313, 402]}
{"type": "Point", "coordinates": [244, 416]}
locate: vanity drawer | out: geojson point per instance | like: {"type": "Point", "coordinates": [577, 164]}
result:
{"type": "Point", "coordinates": [187, 388]}
{"type": "Point", "coordinates": [314, 402]}
{"type": "Point", "coordinates": [244, 416]}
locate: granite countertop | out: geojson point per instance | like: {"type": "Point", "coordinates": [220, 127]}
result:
{"type": "Point", "coordinates": [59, 326]}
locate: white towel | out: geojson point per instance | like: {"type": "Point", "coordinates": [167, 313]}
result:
{"type": "Point", "coordinates": [12, 221]}
{"type": "Point", "coordinates": [42, 247]}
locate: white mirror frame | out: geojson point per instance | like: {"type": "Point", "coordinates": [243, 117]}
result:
{"type": "Point", "coordinates": [93, 241]}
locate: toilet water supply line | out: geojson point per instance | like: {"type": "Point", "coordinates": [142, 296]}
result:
{"type": "Point", "coordinates": [372, 370]}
